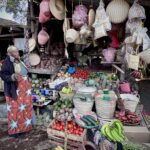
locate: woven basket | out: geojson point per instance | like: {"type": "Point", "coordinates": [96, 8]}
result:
{"type": "Point", "coordinates": [130, 101]}
{"type": "Point", "coordinates": [105, 109]}
{"type": "Point", "coordinates": [67, 96]}
{"type": "Point", "coordinates": [83, 106]}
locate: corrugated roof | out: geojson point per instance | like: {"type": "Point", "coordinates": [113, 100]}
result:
{"type": "Point", "coordinates": [10, 23]}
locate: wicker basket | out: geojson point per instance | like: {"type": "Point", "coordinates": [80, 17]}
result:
{"type": "Point", "coordinates": [74, 142]}
{"type": "Point", "coordinates": [67, 96]}
{"type": "Point", "coordinates": [105, 109]}
{"type": "Point", "coordinates": [83, 106]}
{"type": "Point", "coordinates": [130, 101]}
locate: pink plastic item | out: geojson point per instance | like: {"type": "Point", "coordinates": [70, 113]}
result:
{"type": "Point", "coordinates": [125, 87]}
{"type": "Point", "coordinates": [80, 17]}
{"type": "Point", "coordinates": [45, 14]}
{"type": "Point", "coordinates": [109, 54]}
{"type": "Point", "coordinates": [43, 37]}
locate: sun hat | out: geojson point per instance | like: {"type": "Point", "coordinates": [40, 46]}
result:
{"type": "Point", "coordinates": [57, 8]}
{"type": "Point", "coordinates": [34, 59]}
{"type": "Point", "coordinates": [12, 48]}
{"type": "Point", "coordinates": [117, 10]}
{"type": "Point", "coordinates": [91, 17]}
{"type": "Point", "coordinates": [32, 44]}
{"type": "Point", "coordinates": [72, 35]}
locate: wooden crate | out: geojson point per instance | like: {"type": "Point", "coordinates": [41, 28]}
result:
{"type": "Point", "coordinates": [74, 142]}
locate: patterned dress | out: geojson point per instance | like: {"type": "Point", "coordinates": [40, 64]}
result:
{"type": "Point", "coordinates": [20, 110]}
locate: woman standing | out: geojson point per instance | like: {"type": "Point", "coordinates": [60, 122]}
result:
{"type": "Point", "coordinates": [17, 92]}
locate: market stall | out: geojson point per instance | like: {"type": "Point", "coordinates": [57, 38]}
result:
{"type": "Point", "coordinates": [84, 64]}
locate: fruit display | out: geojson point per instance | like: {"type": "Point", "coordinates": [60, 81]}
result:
{"type": "Point", "coordinates": [83, 74]}
{"type": "Point", "coordinates": [63, 110]}
{"type": "Point", "coordinates": [72, 127]}
{"type": "Point", "coordinates": [113, 131]}
{"type": "Point", "coordinates": [128, 118]}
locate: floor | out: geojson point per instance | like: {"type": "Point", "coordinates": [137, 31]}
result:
{"type": "Point", "coordinates": [144, 91]}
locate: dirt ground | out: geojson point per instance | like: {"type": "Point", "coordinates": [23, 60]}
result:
{"type": "Point", "coordinates": [34, 140]}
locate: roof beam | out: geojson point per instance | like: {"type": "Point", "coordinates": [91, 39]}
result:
{"type": "Point", "coordinates": [11, 35]}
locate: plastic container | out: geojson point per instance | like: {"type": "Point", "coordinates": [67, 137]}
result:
{"type": "Point", "coordinates": [105, 104]}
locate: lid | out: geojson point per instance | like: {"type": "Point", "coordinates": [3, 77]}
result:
{"type": "Point", "coordinates": [105, 91]}
{"type": "Point", "coordinates": [106, 98]}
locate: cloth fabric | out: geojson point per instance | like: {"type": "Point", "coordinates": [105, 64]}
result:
{"type": "Point", "coordinates": [6, 73]}
{"type": "Point", "coordinates": [20, 110]}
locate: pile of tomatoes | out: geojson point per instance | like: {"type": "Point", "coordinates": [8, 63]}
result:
{"type": "Point", "coordinates": [72, 127]}
{"type": "Point", "coordinates": [84, 74]}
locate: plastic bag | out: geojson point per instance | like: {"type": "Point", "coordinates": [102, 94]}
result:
{"type": "Point", "coordinates": [136, 11]}
{"type": "Point", "coordinates": [99, 32]}
{"type": "Point", "coordinates": [102, 18]}
{"type": "Point", "coordinates": [131, 25]}
{"type": "Point", "coordinates": [43, 37]}
{"type": "Point", "coordinates": [80, 17]}
{"type": "Point", "coordinates": [45, 13]}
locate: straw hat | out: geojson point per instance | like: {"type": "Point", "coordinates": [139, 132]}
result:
{"type": "Point", "coordinates": [34, 59]}
{"type": "Point", "coordinates": [72, 35]}
{"type": "Point", "coordinates": [91, 17]}
{"type": "Point", "coordinates": [32, 44]}
{"type": "Point", "coordinates": [57, 8]}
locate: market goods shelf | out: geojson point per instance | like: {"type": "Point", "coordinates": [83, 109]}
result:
{"type": "Point", "coordinates": [104, 62]}
{"type": "Point", "coordinates": [43, 71]}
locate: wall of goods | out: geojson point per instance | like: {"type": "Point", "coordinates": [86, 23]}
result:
{"type": "Point", "coordinates": [83, 96]}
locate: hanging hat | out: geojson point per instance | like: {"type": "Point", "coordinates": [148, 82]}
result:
{"type": "Point", "coordinates": [72, 35]}
{"type": "Point", "coordinates": [32, 44]}
{"type": "Point", "coordinates": [117, 10]}
{"type": "Point", "coordinates": [91, 17]}
{"type": "Point", "coordinates": [57, 8]}
{"type": "Point", "coordinates": [34, 59]}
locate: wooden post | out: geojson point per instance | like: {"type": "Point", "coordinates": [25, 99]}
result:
{"type": "Point", "coordinates": [1, 30]}
{"type": "Point", "coordinates": [32, 15]}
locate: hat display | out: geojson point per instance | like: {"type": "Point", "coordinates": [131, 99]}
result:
{"type": "Point", "coordinates": [32, 44]}
{"type": "Point", "coordinates": [57, 8]}
{"type": "Point", "coordinates": [72, 35]}
{"type": "Point", "coordinates": [34, 59]}
{"type": "Point", "coordinates": [117, 10]}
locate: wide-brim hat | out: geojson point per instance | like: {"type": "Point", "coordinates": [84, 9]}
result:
{"type": "Point", "coordinates": [34, 59]}
{"type": "Point", "coordinates": [57, 8]}
{"type": "Point", "coordinates": [72, 35]}
{"type": "Point", "coordinates": [32, 44]}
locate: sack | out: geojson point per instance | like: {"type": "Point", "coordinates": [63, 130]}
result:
{"type": "Point", "coordinates": [145, 56]}
{"type": "Point", "coordinates": [136, 11]}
